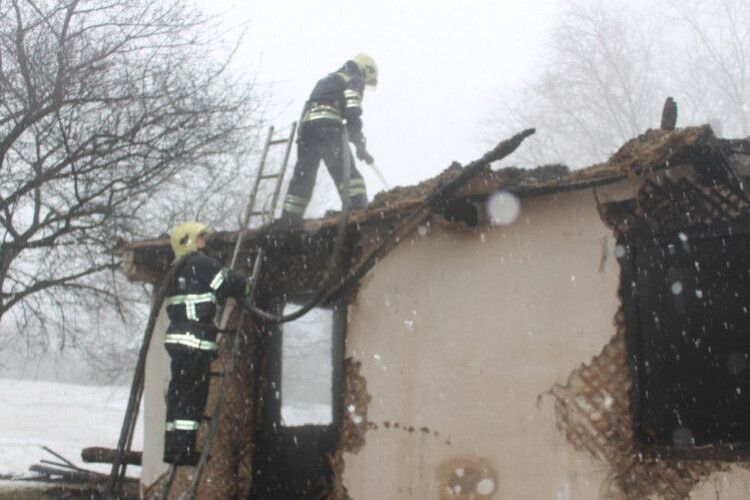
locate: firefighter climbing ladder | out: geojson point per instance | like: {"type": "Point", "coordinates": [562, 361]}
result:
{"type": "Point", "coordinates": [266, 213]}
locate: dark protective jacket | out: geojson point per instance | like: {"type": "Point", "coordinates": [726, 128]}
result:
{"type": "Point", "coordinates": [336, 97]}
{"type": "Point", "coordinates": [198, 287]}
{"type": "Point", "coordinates": [192, 297]}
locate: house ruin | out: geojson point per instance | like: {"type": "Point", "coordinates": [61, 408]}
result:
{"type": "Point", "coordinates": [541, 334]}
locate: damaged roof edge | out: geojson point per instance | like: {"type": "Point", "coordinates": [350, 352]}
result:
{"type": "Point", "coordinates": [653, 150]}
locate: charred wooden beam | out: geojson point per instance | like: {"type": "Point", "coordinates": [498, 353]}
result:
{"type": "Point", "coordinates": [66, 474]}
{"type": "Point", "coordinates": [98, 454]}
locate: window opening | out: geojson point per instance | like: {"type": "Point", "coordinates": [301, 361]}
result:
{"type": "Point", "coordinates": [307, 368]}
{"type": "Point", "coordinates": [687, 303]}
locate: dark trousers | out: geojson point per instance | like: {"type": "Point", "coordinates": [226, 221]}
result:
{"type": "Point", "coordinates": [186, 401]}
{"type": "Point", "coordinates": [321, 141]}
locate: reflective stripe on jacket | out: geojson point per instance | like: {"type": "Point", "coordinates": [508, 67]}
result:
{"type": "Point", "coordinates": [192, 297]}
{"type": "Point", "coordinates": [336, 97]}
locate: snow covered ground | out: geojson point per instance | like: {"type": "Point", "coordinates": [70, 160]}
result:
{"type": "Point", "coordinates": [305, 414]}
{"type": "Point", "coordinates": [69, 417]}
{"type": "Point", "coordinates": [63, 417]}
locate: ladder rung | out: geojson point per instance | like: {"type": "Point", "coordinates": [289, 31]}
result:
{"type": "Point", "coordinates": [216, 374]}
{"type": "Point", "coordinates": [278, 141]}
{"type": "Point", "coordinates": [269, 176]}
{"type": "Point", "coordinates": [256, 213]}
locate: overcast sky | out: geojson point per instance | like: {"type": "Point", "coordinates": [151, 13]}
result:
{"type": "Point", "coordinates": [442, 65]}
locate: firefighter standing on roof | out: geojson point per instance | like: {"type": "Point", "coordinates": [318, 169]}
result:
{"type": "Point", "coordinates": [199, 285]}
{"type": "Point", "coordinates": [335, 101]}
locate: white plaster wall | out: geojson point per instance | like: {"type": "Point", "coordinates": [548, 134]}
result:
{"type": "Point", "coordinates": [154, 404]}
{"type": "Point", "coordinates": [463, 333]}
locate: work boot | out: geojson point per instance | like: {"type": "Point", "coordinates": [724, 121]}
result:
{"type": "Point", "coordinates": [179, 447]}
{"type": "Point", "coordinates": [288, 220]}
{"type": "Point", "coordinates": [188, 458]}
{"type": "Point", "coordinates": [358, 202]}
{"type": "Point", "coordinates": [276, 231]}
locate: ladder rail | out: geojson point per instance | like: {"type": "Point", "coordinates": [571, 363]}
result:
{"type": "Point", "coordinates": [112, 488]}
{"type": "Point", "coordinates": [223, 318]}
{"type": "Point", "coordinates": [251, 201]}
{"type": "Point", "coordinates": [213, 423]}
{"type": "Point", "coordinates": [282, 172]}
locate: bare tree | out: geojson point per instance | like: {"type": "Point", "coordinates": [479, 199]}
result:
{"type": "Point", "coordinates": [610, 65]}
{"type": "Point", "coordinates": [105, 107]}
{"type": "Point", "coordinates": [598, 87]}
{"type": "Point", "coordinates": [718, 80]}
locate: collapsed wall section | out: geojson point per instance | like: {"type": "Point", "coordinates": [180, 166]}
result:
{"type": "Point", "coordinates": [595, 407]}
{"type": "Point", "coordinates": [593, 411]}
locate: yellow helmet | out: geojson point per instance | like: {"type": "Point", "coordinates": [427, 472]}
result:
{"type": "Point", "coordinates": [184, 238]}
{"type": "Point", "coordinates": [367, 67]}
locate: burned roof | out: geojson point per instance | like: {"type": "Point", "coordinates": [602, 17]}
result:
{"type": "Point", "coordinates": [653, 150]}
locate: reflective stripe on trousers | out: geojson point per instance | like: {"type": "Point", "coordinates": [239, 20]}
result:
{"type": "Point", "coordinates": [295, 204]}
{"type": "Point", "coordinates": [183, 425]}
{"type": "Point", "coordinates": [190, 340]}
{"type": "Point", "coordinates": [356, 187]}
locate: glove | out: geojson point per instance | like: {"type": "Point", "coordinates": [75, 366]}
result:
{"type": "Point", "coordinates": [247, 302]}
{"type": "Point", "coordinates": [363, 155]}
{"type": "Point", "coordinates": [247, 298]}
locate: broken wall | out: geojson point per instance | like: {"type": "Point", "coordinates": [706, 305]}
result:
{"type": "Point", "coordinates": [594, 405]}
{"type": "Point", "coordinates": [460, 334]}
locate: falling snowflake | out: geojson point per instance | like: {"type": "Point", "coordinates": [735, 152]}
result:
{"type": "Point", "coordinates": [503, 208]}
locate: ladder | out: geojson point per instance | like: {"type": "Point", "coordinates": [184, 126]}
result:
{"type": "Point", "coordinates": [112, 489]}
{"type": "Point", "coordinates": [266, 212]}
